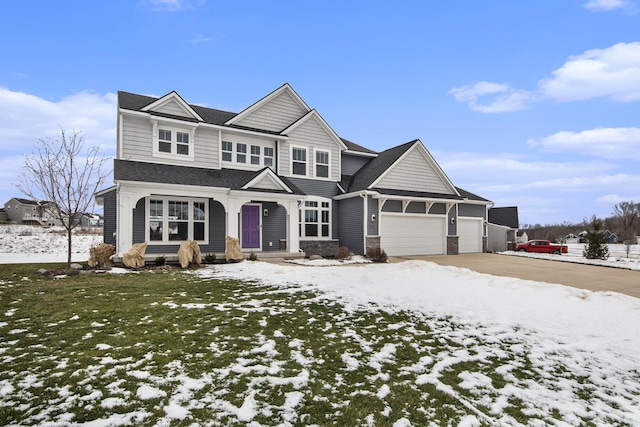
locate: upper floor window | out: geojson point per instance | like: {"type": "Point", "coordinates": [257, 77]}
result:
{"type": "Point", "coordinates": [227, 151]}
{"type": "Point", "coordinates": [172, 142]}
{"type": "Point", "coordinates": [268, 156]}
{"type": "Point", "coordinates": [299, 161]}
{"type": "Point", "coordinates": [322, 164]}
{"type": "Point", "coordinates": [255, 154]}
{"type": "Point", "coordinates": [241, 157]}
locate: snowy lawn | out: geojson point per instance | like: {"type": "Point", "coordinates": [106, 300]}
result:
{"type": "Point", "coordinates": [254, 343]}
{"type": "Point", "coordinates": [619, 257]}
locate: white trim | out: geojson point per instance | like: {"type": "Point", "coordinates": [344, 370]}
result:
{"type": "Point", "coordinates": [165, 219]}
{"type": "Point", "coordinates": [173, 96]}
{"type": "Point", "coordinates": [429, 158]}
{"type": "Point", "coordinates": [307, 151]}
{"type": "Point", "coordinates": [314, 166]}
{"type": "Point", "coordinates": [182, 127]}
{"type": "Point", "coordinates": [265, 100]}
{"type": "Point", "coordinates": [267, 173]}
{"type": "Point", "coordinates": [319, 209]}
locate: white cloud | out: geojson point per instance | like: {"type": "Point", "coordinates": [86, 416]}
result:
{"type": "Point", "coordinates": [608, 5]}
{"type": "Point", "coordinates": [490, 97]}
{"type": "Point", "coordinates": [611, 143]}
{"type": "Point", "coordinates": [200, 38]}
{"type": "Point", "coordinates": [29, 118]}
{"type": "Point", "coordinates": [613, 73]}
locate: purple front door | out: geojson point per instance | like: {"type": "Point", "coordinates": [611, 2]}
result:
{"type": "Point", "coordinates": [250, 226]}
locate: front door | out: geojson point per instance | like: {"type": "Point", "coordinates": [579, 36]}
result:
{"type": "Point", "coordinates": [250, 226]}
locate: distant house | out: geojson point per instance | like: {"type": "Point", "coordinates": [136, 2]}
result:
{"type": "Point", "coordinates": [89, 220]}
{"type": "Point", "coordinates": [572, 238]}
{"type": "Point", "coordinates": [25, 211]}
{"type": "Point", "coordinates": [521, 236]}
{"type": "Point", "coordinates": [3, 216]}
{"type": "Point", "coordinates": [502, 228]}
{"type": "Point", "coordinates": [611, 236]}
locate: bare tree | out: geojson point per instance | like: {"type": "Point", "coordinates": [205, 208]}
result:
{"type": "Point", "coordinates": [627, 214]}
{"type": "Point", "coordinates": [65, 173]}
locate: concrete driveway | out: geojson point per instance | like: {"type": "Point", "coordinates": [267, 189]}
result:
{"type": "Point", "coordinates": [581, 276]}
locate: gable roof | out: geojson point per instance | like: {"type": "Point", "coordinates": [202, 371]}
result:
{"type": "Point", "coordinates": [313, 114]}
{"type": "Point", "coordinates": [285, 88]}
{"type": "Point", "coordinates": [234, 179]}
{"type": "Point", "coordinates": [507, 216]}
{"type": "Point", "coordinates": [173, 97]}
{"type": "Point", "coordinates": [376, 167]}
{"type": "Point", "coordinates": [134, 102]}
{"type": "Point", "coordinates": [358, 149]}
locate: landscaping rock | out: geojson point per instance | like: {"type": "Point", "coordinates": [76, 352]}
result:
{"type": "Point", "coordinates": [76, 266]}
{"type": "Point", "coordinates": [315, 257]}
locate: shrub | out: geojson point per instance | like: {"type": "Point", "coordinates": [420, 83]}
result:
{"type": "Point", "coordinates": [377, 255]}
{"type": "Point", "coordinates": [343, 252]}
{"type": "Point", "coordinates": [252, 256]}
{"type": "Point", "coordinates": [210, 258]}
{"type": "Point", "coordinates": [160, 261]}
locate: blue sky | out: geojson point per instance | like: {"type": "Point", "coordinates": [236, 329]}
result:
{"type": "Point", "coordinates": [532, 104]}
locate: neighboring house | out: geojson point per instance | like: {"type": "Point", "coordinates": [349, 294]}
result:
{"type": "Point", "coordinates": [503, 227]}
{"type": "Point", "coordinates": [89, 220]}
{"type": "Point", "coordinates": [277, 177]}
{"type": "Point", "coordinates": [26, 211]}
{"type": "Point", "coordinates": [522, 237]}
{"type": "Point", "coordinates": [572, 239]}
{"type": "Point", "coordinates": [3, 216]}
{"type": "Point", "coordinates": [611, 236]}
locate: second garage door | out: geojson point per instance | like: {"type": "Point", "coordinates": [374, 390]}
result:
{"type": "Point", "coordinates": [469, 235]}
{"type": "Point", "coordinates": [406, 234]}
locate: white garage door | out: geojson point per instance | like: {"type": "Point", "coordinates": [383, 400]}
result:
{"type": "Point", "coordinates": [402, 234]}
{"type": "Point", "coordinates": [469, 235]}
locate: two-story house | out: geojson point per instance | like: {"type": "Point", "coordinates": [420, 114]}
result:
{"type": "Point", "coordinates": [26, 211]}
{"type": "Point", "coordinates": [277, 177]}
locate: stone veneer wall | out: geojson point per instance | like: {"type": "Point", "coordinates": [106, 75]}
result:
{"type": "Point", "coordinates": [324, 248]}
{"type": "Point", "coordinates": [452, 245]}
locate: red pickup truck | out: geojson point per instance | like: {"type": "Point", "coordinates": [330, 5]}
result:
{"type": "Point", "coordinates": [542, 246]}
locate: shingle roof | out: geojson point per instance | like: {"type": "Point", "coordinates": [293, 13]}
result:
{"type": "Point", "coordinates": [377, 166]}
{"type": "Point", "coordinates": [135, 102]}
{"type": "Point", "coordinates": [234, 179]}
{"type": "Point", "coordinates": [352, 146]}
{"type": "Point", "coordinates": [504, 216]}
{"type": "Point", "coordinates": [468, 195]}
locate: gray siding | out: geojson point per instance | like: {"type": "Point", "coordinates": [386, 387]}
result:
{"type": "Point", "coordinates": [414, 171]}
{"type": "Point", "coordinates": [352, 164]}
{"type": "Point", "coordinates": [350, 226]}
{"type": "Point", "coordinates": [172, 108]}
{"type": "Point", "coordinates": [276, 115]}
{"type": "Point", "coordinates": [476, 211]}
{"type": "Point", "coordinates": [137, 143]}
{"type": "Point", "coordinates": [274, 226]}
{"type": "Point", "coordinates": [110, 217]}
{"type": "Point", "coordinates": [217, 230]}
{"type": "Point", "coordinates": [372, 208]}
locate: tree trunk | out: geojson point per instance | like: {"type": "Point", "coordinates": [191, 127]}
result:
{"type": "Point", "coordinates": [69, 248]}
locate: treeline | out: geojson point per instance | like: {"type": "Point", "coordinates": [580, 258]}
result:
{"type": "Point", "coordinates": [624, 223]}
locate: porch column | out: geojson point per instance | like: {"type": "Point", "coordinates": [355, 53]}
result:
{"type": "Point", "coordinates": [233, 208]}
{"type": "Point", "coordinates": [293, 237]}
{"type": "Point", "coordinates": [124, 222]}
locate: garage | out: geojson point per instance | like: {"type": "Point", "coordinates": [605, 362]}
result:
{"type": "Point", "coordinates": [469, 235]}
{"type": "Point", "coordinates": [412, 234]}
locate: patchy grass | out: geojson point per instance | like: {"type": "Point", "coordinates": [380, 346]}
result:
{"type": "Point", "coordinates": [168, 347]}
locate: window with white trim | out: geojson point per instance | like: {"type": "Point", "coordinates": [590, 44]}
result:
{"type": "Point", "coordinates": [175, 219]}
{"type": "Point", "coordinates": [241, 156]}
{"type": "Point", "coordinates": [299, 161]}
{"type": "Point", "coordinates": [322, 164]}
{"type": "Point", "coordinates": [255, 154]}
{"type": "Point", "coordinates": [268, 156]}
{"type": "Point", "coordinates": [172, 141]}
{"type": "Point", "coordinates": [315, 219]}
{"type": "Point", "coordinates": [227, 151]}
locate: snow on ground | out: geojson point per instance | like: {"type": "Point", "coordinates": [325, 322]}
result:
{"type": "Point", "coordinates": [590, 334]}
{"type": "Point", "coordinates": [618, 256]}
{"type": "Point", "coordinates": [32, 244]}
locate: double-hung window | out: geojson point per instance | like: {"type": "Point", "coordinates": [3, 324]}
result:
{"type": "Point", "coordinates": [299, 161]}
{"type": "Point", "coordinates": [227, 151]}
{"type": "Point", "coordinates": [268, 156]}
{"type": "Point", "coordinates": [172, 220]}
{"type": "Point", "coordinates": [315, 219]}
{"type": "Point", "coordinates": [322, 164]}
{"type": "Point", "coordinates": [241, 156]}
{"type": "Point", "coordinates": [255, 154]}
{"type": "Point", "coordinates": [172, 141]}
